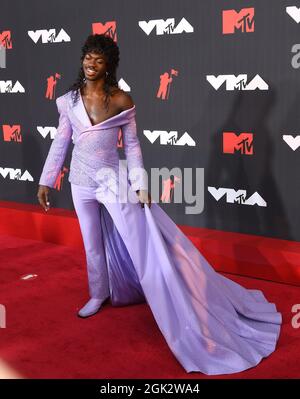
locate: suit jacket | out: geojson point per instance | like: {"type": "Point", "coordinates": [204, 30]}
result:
{"type": "Point", "coordinates": [95, 146]}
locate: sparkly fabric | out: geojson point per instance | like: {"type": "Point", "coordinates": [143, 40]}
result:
{"type": "Point", "coordinates": [95, 146]}
{"type": "Point", "coordinates": [210, 323]}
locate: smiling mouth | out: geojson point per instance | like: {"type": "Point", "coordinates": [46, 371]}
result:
{"type": "Point", "coordinates": [90, 71]}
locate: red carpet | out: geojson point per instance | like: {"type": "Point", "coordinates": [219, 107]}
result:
{"type": "Point", "coordinates": [235, 253]}
{"type": "Point", "coordinates": [44, 338]}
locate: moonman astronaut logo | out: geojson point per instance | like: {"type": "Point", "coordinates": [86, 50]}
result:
{"type": "Point", "coordinates": [51, 85]}
{"type": "Point", "coordinates": [165, 84]}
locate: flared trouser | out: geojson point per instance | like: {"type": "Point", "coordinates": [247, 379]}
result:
{"type": "Point", "coordinates": [88, 210]}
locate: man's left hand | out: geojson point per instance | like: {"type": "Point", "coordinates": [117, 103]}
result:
{"type": "Point", "coordinates": [144, 197]}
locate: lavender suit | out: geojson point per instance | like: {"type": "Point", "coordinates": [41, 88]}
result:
{"type": "Point", "coordinates": [134, 254]}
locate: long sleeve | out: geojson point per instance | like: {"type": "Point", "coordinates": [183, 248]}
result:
{"type": "Point", "coordinates": [133, 152]}
{"type": "Point", "coordinates": [58, 148]}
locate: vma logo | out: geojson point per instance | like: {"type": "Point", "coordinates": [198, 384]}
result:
{"type": "Point", "coordinates": [166, 27]}
{"type": "Point", "coordinates": [239, 82]}
{"type": "Point", "coordinates": [15, 174]}
{"type": "Point", "coordinates": [236, 196]}
{"type": "Point", "coordinates": [51, 85]}
{"type": "Point", "coordinates": [293, 12]}
{"type": "Point", "coordinates": [47, 131]}
{"type": "Point", "coordinates": [242, 143]}
{"type": "Point", "coordinates": [49, 36]}
{"type": "Point", "coordinates": [292, 142]}
{"type": "Point", "coordinates": [170, 138]}
{"type": "Point", "coordinates": [7, 86]}
{"type": "Point", "coordinates": [12, 133]}
{"type": "Point", "coordinates": [242, 21]}
{"type": "Point", "coordinates": [108, 29]}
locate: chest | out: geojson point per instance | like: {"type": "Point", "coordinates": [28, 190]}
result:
{"type": "Point", "coordinates": [97, 111]}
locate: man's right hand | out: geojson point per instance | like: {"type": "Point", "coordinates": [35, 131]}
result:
{"type": "Point", "coordinates": [43, 197]}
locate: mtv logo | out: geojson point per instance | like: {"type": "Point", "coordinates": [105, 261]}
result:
{"type": "Point", "coordinates": [108, 29]}
{"type": "Point", "coordinates": [242, 143]}
{"type": "Point", "coordinates": [5, 39]}
{"type": "Point", "coordinates": [238, 21]}
{"type": "Point", "coordinates": [12, 133]}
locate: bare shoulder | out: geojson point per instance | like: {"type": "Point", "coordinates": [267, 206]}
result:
{"type": "Point", "coordinates": [123, 100]}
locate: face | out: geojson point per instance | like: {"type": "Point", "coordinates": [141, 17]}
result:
{"type": "Point", "coordinates": [94, 66]}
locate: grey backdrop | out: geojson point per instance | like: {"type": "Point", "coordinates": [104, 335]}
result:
{"type": "Point", "coordinates": [193, 106]}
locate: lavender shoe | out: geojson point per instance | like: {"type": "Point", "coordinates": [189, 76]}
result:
{"type": "Point", "coordinates": [91, 307]}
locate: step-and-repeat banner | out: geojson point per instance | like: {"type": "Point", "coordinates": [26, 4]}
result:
{"type": "Point", "coordinates": [217, 92]}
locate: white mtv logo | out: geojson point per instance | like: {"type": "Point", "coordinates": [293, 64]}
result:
{"type": "Point", "coordinates": [169, 137]}
{"type": "Point", "coordinates": [293, 142]}
{"type": "Point", "coordinates": [294, 12]}
{"type": "Point", "coordinates": [49, 35]}
{"type": "Point", "coordinates": [237, 82]}
{"type": "Point", "coordinates": [15, 174]}
{"type": "Point", "coordinates": [236, 196]}
{"type": "Point", "coordinates": [6, 86]}
{"type": "Point", "coordinates": [166, 26]}
{"type": "Point", "coordinates": [2, 316]}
